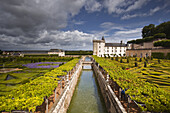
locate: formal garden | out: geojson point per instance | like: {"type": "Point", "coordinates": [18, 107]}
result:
{"type": "Point", "coordinates": [15, 71]}
{"type": "Point", "coordinates": [35, 80]}
{"type": "Point", "coordinates": [153, 70]}
{"type": "Point", "coordinates": [145, 80]}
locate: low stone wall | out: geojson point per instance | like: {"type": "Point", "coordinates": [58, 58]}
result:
{"type": "Point", "coordinates": [111, 101]}
{"type": "Point", "coordinates": [63, 103]}
{"type": "Point", "coordinates": [146, 52]}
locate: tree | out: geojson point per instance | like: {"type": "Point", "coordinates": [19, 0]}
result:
{"type": "Point", "coordinates": [148, 30]}
{"type": "Point", "coordinates": [160, 36]}
{"type": "Point", "coordinates": [1, 52]}
{"type": "Point", "coordinates": [163, 43]}
{"type": "Point", "coordinates": [163, 28]}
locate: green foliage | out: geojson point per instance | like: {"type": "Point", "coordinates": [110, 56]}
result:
{"type": "Point", "coordinates": [159, 36]}
{"type": "Point", "coordinates": [163, 43]}
{"type": "Point", "coordinates": [168, 56]}
{"type": "Point", "coordinates": [145, 64]}
{"type": "Point", "coordinates": [148, 30]}
{"type": "Point", "coordinates": [150, 33]}
{"type": "Point", "coordinates": [121, 60]}
{"type": "Point", "coordinates": [140, 60]}
{"type": "Point", "coordinates": [148, 39]}
{"type": "Point", "coordinates": [30, 95]}
{"type": "Point", "coordinates": [1, 52]}
{"type": "Point", "coordinates": [138, 41]}
{"type": "Point", "coordinates": [159, 61]}
{"type": "Point", "coordinates": [116, 58]}
{"type": "Point", "coordinates": [79, 52]}
{"type": "Point", "coordinates": [155, 99]}
{"type": "Point", "coordinates": [41, 55]}
{"type": "Point", "coordinates": [163, 28]}
{"type": "Point", "coordinates": [131, 41]}
{"type": "Point", "coordinates": [158, 55]}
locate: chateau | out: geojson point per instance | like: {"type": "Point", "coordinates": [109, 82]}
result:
{"type": "Point", "coordinates": [101, 49]}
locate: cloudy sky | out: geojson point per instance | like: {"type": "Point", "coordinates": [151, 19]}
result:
{"type": "Point", "coordinates": [73, 24]}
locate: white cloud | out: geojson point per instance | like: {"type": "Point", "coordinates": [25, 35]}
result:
{"type": "Point", "coordinates": [137, 5]}
{"type": "Point", "coordinates": [150, 13]}
{"type": "Point", "coordinates": [92, 6]}
{"type": "Point", "coordinates": [125, 35]}
{"type": "Point", "coordinates": [106, 25]}
{"type": "Point", "coordinates": [79, 22]}
{"type": "Point", "coordinates": [113, 5]}
{"type": "Point", "coordinates": [123, 6]}
{"type": "Point", "coordinates": [46, 40]}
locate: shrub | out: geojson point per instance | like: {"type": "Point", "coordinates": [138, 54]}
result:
{"type": "Point", "coordinates": [112, 58]}
{"type": "Point", "coordinates": [138, 41]}
{"type": "Point", "coordinates": [145, 64]}
{"type": "Point", "coordinates": [159, 61]}
{"type": "Point", "coordinates": [159, 36]}
{"type": "Point", "coordinates": [158, 55]}
{"type": "Point", "coordinates": [140, 60]}
{"type": "Point", "coordinates": [148, 39]}
{"type": "Point", "coordinates": [132, 41]}
{"type": "Point", "coordinates": [168, 56]}
{"type": "Point", "coordinates": [116, 58]}
{"type": "Point", "coordinates": [121, 60]}
{"type": "Point", "coordinates": [163, 43]}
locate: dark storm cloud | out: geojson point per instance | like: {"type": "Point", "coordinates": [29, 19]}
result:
{"type": "Point", "coordinates": [24, 21]}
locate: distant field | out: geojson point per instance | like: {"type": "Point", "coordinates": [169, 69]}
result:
{"type": "Point", "coordinates": [154, 72]}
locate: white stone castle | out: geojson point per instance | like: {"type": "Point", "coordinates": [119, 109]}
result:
{"type": "Point", "coordinates": [101, 49]}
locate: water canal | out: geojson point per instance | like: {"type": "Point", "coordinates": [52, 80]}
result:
{"type": "Point", "coordinates": [87, 97]}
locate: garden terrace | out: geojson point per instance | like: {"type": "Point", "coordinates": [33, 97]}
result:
{"type": "Point", "coordinates": [142, 92]}
{"type": "Point", "coordinates": [30, 96]}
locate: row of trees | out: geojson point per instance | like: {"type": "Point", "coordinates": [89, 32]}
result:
{"type": "Point", "coordinates": [152, 32]}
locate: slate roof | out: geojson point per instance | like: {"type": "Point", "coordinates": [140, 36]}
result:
{"type": "Point", "coordinates": [115, 45]}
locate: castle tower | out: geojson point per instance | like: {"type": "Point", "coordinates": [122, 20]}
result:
{"type": "Point", "coordinates": [98, 47]}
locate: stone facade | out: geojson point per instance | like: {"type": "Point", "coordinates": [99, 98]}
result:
{"type": "Point", "coordinates": [146, 52]}
{"type": "Point", "coordinates": [145, 49]}
{"type": "Point", "coordinates": [100, 48]}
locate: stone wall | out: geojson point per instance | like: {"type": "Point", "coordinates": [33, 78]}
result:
{"type": "Point", "coordinates": [145, 52]}
{"type": "Point", "coordinates": [112, 103]}
{"type": "Point", "coordinates": [63, 103]}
